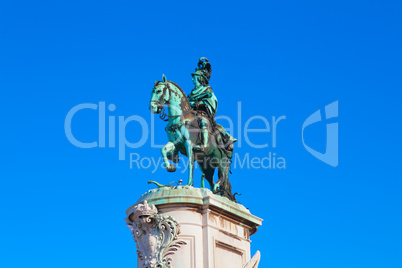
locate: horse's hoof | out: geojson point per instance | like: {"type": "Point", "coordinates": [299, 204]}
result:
{"type": "Point", "coordinates": [216, 189]}
{"type": "Point", "coordinates": [171, 168]}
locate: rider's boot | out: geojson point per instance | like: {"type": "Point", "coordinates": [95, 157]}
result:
{"type": "Point", "coordinates": [205, 136]}
{"type": "Point", "coordinates": [204, 141]}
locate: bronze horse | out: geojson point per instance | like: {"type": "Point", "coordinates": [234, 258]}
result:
{"type": "Point", "coordinates": [184, 133]}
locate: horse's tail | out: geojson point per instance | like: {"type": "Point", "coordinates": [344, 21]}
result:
{"type": "Point", "coordinates": [226, 190]}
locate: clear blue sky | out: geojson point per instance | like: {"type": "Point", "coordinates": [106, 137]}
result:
{"type": "Point", "coordinates": [63, 206]}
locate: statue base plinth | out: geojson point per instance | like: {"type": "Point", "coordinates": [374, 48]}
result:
{"type": "Point", "coordinates": [214, 231]}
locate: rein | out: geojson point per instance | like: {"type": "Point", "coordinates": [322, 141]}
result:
{"type": "Point", "coordinates": [164, 116]}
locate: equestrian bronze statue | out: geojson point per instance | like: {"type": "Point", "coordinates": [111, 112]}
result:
{"type": "Point", "coordinates": [192, 129]}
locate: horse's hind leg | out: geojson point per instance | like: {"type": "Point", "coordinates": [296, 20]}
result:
{"type": "Point", "coordinates": [168, 148]}
{"type": "Point", "coordinates": [208, 172]}
{"type": "Point", "coordinates": [209, 176]}
{"type": "Point", "coordinates": [223, 186]}
{"type": "Point", "coordinates": [216, 189]}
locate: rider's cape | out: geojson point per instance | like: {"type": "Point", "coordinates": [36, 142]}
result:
{"type": "Point", "coordinates": [204, 96]}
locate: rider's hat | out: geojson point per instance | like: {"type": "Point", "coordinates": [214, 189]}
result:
{"type": "Point", "coordinates": [204, 69]}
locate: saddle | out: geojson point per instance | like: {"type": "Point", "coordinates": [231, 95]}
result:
{"type": "Point", "coordinates": [223, 139]}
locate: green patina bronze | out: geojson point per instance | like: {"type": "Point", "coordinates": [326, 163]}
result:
{"type": "Point", "coordinates": [192, 129]}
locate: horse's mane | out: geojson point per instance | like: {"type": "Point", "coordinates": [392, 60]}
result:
{"type": "Point", "coordinates": [185, 104]}
{"type": "Point", "coordinates": [176, 85]}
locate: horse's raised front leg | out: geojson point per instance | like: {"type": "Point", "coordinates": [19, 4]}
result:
{"type": "Point", "coordinates": [168, 148]}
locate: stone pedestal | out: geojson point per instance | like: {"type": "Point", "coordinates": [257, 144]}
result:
{"type": "Point", "coordinates": [186, 227]}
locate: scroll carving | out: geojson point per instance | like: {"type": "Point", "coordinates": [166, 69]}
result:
{"type": "Point", "coordinates": [155, 236]}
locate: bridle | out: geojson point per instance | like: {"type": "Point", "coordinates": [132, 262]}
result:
{"type": "Point", "coordinates": [161, 109]}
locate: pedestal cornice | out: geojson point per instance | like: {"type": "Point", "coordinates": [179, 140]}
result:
{"type": "Point", "coordinates": [202, 197]}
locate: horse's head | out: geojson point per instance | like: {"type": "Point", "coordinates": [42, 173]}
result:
{"type": "Point", "coordinates": [159, 96]}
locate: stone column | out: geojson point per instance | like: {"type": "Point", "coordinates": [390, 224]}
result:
{"type": "Point", "coordinates": [186, 227]}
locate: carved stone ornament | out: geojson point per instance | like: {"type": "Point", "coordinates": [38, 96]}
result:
{"type": "Point", "coordinates": [155, 235]}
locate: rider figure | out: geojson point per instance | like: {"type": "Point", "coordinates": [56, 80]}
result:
{"type": "Point", "coordinates": [202, 99]}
